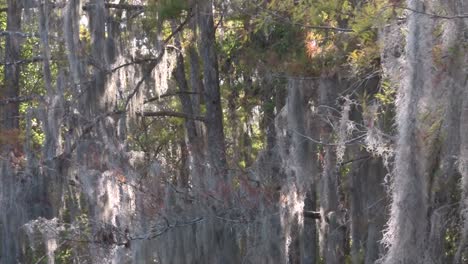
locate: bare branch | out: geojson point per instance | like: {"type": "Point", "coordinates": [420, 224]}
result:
{"type": "Point", "coordinates": [312, 215]}
{"type": "Point", "coordinates": [19, 99]}
{"type": "Point", "coordinates": [127, 7]}
{"type": "Point", "coordinates": [354, 160]}
{"type": "Point", "coordinates": [156, 98]}
{"type": "Point", "coordinates": [132, 63]}
{"type": "Point", "coordinates": [35, 5]}
{"type": "Point", "coordinates": [23, 61]}
{"type": "Point", "coordinates": [19, 34]}
{"type": "Point", "coordinates": [170, 114]}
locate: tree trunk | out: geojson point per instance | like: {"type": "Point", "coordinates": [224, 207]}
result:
{"type": "Point", "coordinates": [214, 113]}
{"type": "Point", "coordinates": [194, 138]}
{"type": "Point", "coordinates": [196, 81]}
{"type": "Point", "coordinates": [461, 255]}
{"type": "Point", "coordinates": [406, 233]}
{"type": "Point", "coordinates": [222, 246]}
{"type": "Point", "coordinates": [333, 229]}
{"type": "Point", "coordinates": [10, 111]}
{"type": "Point", "coordinates": [358, 213]}
{"type": "Point", "coordinates": [445, 175]}
{"type": "Point", "coordinates": [72, 43]}
{"type": "Point", "coordinates": [97, 27]}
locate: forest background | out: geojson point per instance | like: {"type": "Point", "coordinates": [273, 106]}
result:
{"type": "Point", "coordinates": [263, 131]}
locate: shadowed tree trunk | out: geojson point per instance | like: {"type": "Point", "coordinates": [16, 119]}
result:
{"type": "Point", "coordinates": [10, 197]}
{"type": "Point", "coordinates": [376, 206]}
{"type": "Point", "coordinates": [333, 227]}
{"type": "Point", "coordinates": [214, 113]}
{"type": "Point", "coordinates": [196, 81]}
{"type": "Point", "coordinates": [194, 137]}
{"type": "Point", "coordinates": [222, 238]}
{"type": "Point", "coordinates": [10, 112]}
{"type": "Point", "coordinates": [445, 175]}
{"type": "Point", "coordinates": [461, 255]}
{"type": "Point", "coordinates": [303, 168]}
{"type": "Point", "coordinates": [97, 27]}
{"type": "Point", "coordinates": [366, 192]}
{"type": "Point", "coordinates": [358, 213]}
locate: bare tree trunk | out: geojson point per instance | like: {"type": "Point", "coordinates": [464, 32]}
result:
{"type": "Point", "coordinates": [10, 112]}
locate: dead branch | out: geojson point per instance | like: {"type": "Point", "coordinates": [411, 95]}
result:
{"type": "Point", "coordinates": [312, 215]}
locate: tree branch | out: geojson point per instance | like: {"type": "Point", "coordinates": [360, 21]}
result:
{"type": "Point", "coordinates": [170, 114]}
{"type": "Point", "coordinates": [127, 7]}
{"type": "Point", "coordinates": [156, 98]}
{"type": "Point", "coordinates": [23, 61]}
{"type": "Point", "coordinates": [460, 16]}
{"type": "Point", "coordinates": [34, 5]}
{"type": "Point", "coordinates": [312, 215]}
{"type": "Point", "coordinates": [354, 160]}
{"type": "Point", "coordinates": [19, 34]}
{"type": "Point", "coordinates": [19, 99]}
{"type": "Point", "coordinates": [133, 62]}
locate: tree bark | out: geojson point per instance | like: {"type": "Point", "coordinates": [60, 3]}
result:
{"type": "Point", "coordinates": [462, 250]}
{"type": "Point", "coordinates": [333, 229]}
{"type": "Point", "coordinates": [224, 247]}
{"type": "Point", "coordinates": [193, 136]}
{"type": "Point", "coordinates": [97, 26]}
{"type": "Point", "coordinates": [358, 213]}
{"type": "Point", "coordinates": [407, 227]}
{"type": "Point", "coordinates": [445, 175]}
{"type": "Point", "coordinates": [214, 114]}
{"type": "Point", "coordinates": [10, 112]}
